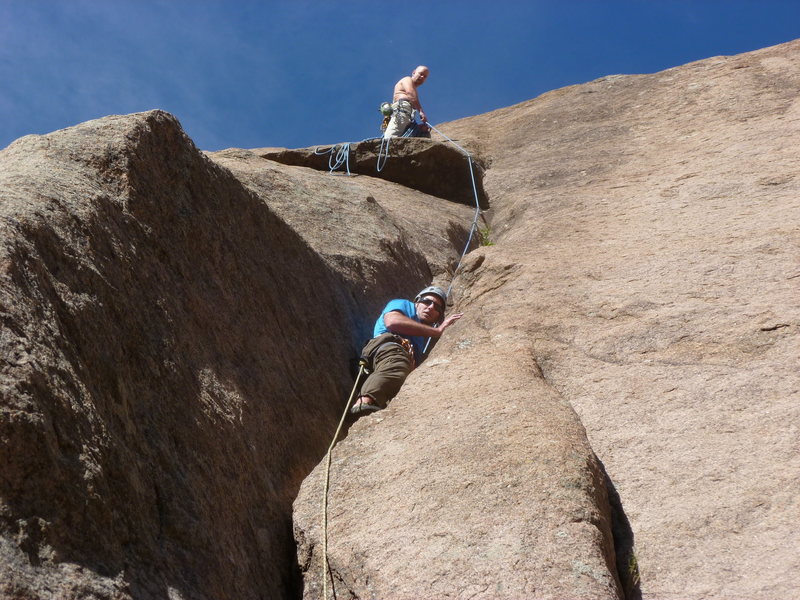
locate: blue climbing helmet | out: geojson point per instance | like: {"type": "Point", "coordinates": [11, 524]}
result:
{"type": "Point", "coordinates": [436, 291]}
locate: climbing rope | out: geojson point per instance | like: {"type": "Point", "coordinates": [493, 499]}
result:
{"type": "Point", "coordinates": [383, 154]}
{"type": "Point", "coordinates": [339, 155]}
{"type": "Point", "coordinates": [473, 228]}
{"type": "Point", "coordinates": [362, 364]}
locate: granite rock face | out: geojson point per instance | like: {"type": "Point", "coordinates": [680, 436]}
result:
{"type": "Point", "coordinates": [653, 223]}
{"type": "Point", "coordinates": [174, 352]}
{"type": "Point", "coordinates": [476, 482]}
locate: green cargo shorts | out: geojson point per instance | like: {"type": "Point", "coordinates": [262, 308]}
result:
{"type": "Point", "coordinates": [390, 364]}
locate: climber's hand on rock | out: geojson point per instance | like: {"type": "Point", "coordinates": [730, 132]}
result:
{"type": "Point", "coordinates": [449, 321]}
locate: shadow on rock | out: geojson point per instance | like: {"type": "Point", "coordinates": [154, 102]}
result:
{"type": "Point", "coordinates": [624, 547]}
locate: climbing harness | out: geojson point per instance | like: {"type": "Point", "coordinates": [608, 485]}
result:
{"type": "Point", "coordinates": [404, 344]}
{"type": "Point", "coordinates": [362, 368]}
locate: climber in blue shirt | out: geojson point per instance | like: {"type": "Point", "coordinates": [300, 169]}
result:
{"type": "Point", "coordinates": [398, 345]}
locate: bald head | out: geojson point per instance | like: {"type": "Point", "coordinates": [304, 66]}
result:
{"type": "Point", "coordinates": [419, 75]}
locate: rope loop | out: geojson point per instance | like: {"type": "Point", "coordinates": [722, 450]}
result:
{"type": "Point", "coordinates": [339, 154]}
{"type": "Point", "coordinates": [383, 154]}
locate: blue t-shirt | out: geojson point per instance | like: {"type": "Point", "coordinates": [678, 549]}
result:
{"type": "Point", "coordinates": [407, 308]}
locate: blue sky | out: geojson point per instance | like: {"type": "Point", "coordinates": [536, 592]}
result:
{"type": "Point", "coordinates": [293, 73]}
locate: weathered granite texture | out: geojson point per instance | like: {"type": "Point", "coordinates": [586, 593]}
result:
{"type": "Point", "coordinates": [174, 352]}
{"type": "Point", "coordinates": [653, 223]}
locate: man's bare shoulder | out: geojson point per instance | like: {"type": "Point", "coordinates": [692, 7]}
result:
{"type": "Point", "coordinates": [404, 84]}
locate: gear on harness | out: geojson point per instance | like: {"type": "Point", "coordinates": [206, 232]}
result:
{"type": "Point", "coordinates": [365, 361]}
{"type": "Point", "coordinates": [386, 110]}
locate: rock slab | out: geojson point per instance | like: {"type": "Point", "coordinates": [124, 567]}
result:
{"type": "Point", "coordinates": [174, 351]}
{"type": "Point", "coordinates": [653, 222]}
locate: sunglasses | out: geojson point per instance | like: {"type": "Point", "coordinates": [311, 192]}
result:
{"type": "Point", "coordinates": [428, 302]}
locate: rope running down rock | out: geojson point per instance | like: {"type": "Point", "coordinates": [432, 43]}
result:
{"type": "Point", "coordinates": [362, 364]}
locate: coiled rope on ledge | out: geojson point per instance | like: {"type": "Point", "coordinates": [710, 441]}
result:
{"type": "Point", "coordinates": [473, 228]}
{"type": "Point", "coordinates": [340, 153]}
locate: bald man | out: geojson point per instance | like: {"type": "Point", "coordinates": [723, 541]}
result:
{"type": "Point", "coordinates": [406, 99]}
